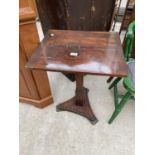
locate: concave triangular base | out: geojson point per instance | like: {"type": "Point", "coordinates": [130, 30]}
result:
{"type": "Point", "coordinates": [83, 109]}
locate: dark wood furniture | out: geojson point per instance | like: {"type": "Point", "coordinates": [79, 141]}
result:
{"type": "Point", "coordinates": [85, 15]}
{"type": "Point", "coordinates": [33, 85]}
{"type": "Point", "coordinates": [81, 53]}
{"type": "Point", "coordinates": [129, 15]}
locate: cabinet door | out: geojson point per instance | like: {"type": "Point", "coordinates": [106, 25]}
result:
{"type": "Point", "coordinates": [76, 15]}
{"type": "Point", "coordinates": [90, 14]}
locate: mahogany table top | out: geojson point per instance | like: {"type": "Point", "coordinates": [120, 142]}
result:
{"type": "Point", "coordinates": [80, 52]}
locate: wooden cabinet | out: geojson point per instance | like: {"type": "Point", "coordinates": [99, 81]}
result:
{"type": "Point", "coordinates": [33, 85]}
{"type": "Point", "coordinates": [32, 4]}
{"type": "Point", "coordinates": [86, 15]}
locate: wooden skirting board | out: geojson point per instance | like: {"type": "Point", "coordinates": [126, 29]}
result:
{"type": "Point", "coordinates": [37, 103]}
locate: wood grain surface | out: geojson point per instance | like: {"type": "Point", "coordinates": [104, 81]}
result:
{"type": "Point", "coordinates": [33, 85]}
{"type": "Point", "coordinates": [99, 53]}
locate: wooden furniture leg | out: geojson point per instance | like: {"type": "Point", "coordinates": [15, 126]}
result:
{"type": "Point", "coordinates": [79, 104]}
{"type": "Point", "coordinates": [109, 79]}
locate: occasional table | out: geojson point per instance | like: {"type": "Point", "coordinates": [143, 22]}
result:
{"type": "Point", "coordinates": [80, 52]}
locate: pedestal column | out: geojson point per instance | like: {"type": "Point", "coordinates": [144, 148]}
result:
{"type": "Point", "coordinates": [79, 104]}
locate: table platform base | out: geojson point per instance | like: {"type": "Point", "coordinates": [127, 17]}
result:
{"type": "Point", "coordinates": [81, 107]}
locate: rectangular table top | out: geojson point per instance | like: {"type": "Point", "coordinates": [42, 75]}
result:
{"type": "Point", "coordinates": [80, 52]}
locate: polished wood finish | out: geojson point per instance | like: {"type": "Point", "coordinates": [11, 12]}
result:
{"type": "Point", "coordinates": [79, 104]}
{"type": "Point", "coordinates": [80, 53]}
{"type": "Point", "coordinates": [26, 14]}
{"type": "Point", "coordinates": [23, 4]}
{"type": "Point", "coordinates": [32, 4]}
{"type": "Point", "coordinates": [100, 53]}
{"type": "Point", "coordinates": [86, 15]}
{"type": "Point", "coordinates": [33, 85]}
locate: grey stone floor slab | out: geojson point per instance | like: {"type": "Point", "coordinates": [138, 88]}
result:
{"type": "Point", "coordinates": [47, 132]}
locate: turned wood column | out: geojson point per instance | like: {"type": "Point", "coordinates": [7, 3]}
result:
{"type": "Point", "coordinates": [79, 104]}
{"type": "Point", "coordinates": [79, 89]}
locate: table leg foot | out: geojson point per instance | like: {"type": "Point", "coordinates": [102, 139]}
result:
{"type": "Point", "coordinates": [57, 109]}
{"type": "Point", "coordinates": [93, 120]}
{"type": "Point", "coordinates": [83, 110]}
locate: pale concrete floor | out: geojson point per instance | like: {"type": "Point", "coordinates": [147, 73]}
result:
{"type": "Point", "coordinates": [47, 132]}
